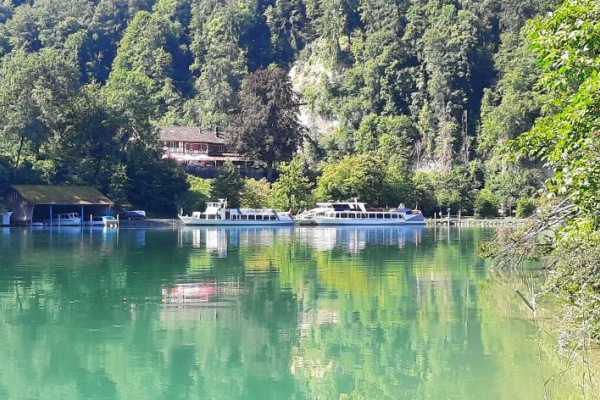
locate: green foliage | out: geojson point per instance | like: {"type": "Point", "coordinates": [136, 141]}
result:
{"type": "Point", "coordinates": [513, 184]}
{"type": "Point", "coordinates": [197, 195]}
{"type": "Point", "coordinates": [158, 184]}
{"type": "Point", "coordinates": [565, 139]}
{"type": "Point", "coordinates": [359, 176]}
{"type": "Point", "coordinates": [510, 108]}
{"type": "Point", "coordinates": [567, 42]}
{"type": "Point", "coordinates": [229, 185]}
{"type": "Point", "coordinates": [405, 82]}
{"type": "Point", "coordinates": [526, 207]}
{"type": "Point", "coordinates": [35, 91]}
{"type": "Point", "coordinates": [386, 135]}
{"type": "Point", "coordinates": [267, 127]}
{"type": "Point", "coordinates": [256, 194]}
{"type": "Point", "coordinates": [293, 189]}
{"type": "Point", "coordinates": [424, 192]}
{"type": "Point", "coordinates": [119, 186]}
{"type": "Point", "coordinates": [216, 30]}
{"type": "Point", "coordinates": [576, 279]}
{"type": "Point", "coordinates": [454, 189]}
{"type": "Point", "coordinates": [486, 204]}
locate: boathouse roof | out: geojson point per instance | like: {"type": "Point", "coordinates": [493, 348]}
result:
{"type": "Point", "coordinates": [192, 134]}
{"type": "Point", "coordinates": [64, 195]}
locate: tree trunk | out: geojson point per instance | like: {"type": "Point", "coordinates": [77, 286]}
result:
{"type": "Point", "coordinates": [18, 157]}
{"type": "Point", "coordinates": [270, 171]}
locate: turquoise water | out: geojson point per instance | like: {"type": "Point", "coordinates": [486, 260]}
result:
{"type": "Point", "coordinates": [258, 313]}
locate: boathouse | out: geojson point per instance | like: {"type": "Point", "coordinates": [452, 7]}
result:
{"type": "Point", "coordinates": [33, 203]}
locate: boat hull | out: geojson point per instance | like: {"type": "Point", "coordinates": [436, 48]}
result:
{"type": "Point", "coordinates": [226, 222]}
{"type": "Point", "coordinates": [357, 221]}
{"type": "Point", "coordinates": [69, 222]}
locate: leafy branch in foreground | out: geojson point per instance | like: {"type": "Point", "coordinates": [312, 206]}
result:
{"type": "Point", "coordinates": [534, 241]}
{"type": "Point", "coordinates": [565, 236]}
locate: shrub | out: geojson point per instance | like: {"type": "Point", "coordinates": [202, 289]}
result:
{"type": "Point", "coordinates": [526, 207]}
{"type": "Point", "coordinates": [486, 204]}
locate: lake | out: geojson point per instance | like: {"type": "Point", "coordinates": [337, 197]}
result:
{"type": "Point", "coordinates": [260, 313]}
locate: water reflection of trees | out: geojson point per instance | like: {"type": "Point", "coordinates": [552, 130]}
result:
{"type": "Point", "coordinates": [379, 314]}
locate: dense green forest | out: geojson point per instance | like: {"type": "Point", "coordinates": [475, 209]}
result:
{"type": "Point", "coordinates": [418, 96]}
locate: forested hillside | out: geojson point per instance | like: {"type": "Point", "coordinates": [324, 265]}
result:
{"type": "Point", "coordinates": [421, 94]}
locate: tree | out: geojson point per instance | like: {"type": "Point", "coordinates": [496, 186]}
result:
{"type": "Point", "coordinates": [566, 138]}
{"type": "Point", "coordinates": [220, 62]}
{"type": "Point", "coordinates": [229, 185]}
{"type": "Point", "coordinates": [267, 127]}
{"type": "Point", "coordinates": [455, 189]}
{"type": "Point", "coordinates": [359, 176]}
{"type": "Point", "coordinates": [486, 204]}
{"type": "Point", "coordinates": [385, 135]}
{"type": "Point", "coordinates": [513, 184]}
{"type": "Point", "coordinates": [159, 184]}
{"type": "Point", "coordinates": [198, 194]}
{"type": "Point", "coordinates": [292, 189]}
{"type": "Point", "coordinates": [35, 92]}
{"type": "Point", "coordinates": [256, 194]}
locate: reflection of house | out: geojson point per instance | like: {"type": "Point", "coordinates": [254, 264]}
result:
{"type": "Point", "coordinates": [38, 202]}
{"type": "Point", "coordinates": [192, 145]}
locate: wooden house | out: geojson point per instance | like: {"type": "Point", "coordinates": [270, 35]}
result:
{"type": "Point", "coordinates": [195, 146]}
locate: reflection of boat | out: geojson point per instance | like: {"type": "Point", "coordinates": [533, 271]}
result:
{"type": "Point", "coordinates": [356, 213]}
{"type": "Point", "coordinates": [219, 239]}
{"type": "Point", "coordinates": [102, 221]}
{"type": "Point", "coordinates": [356, 238]}
{"type": "Point", "coordinates": [184, 293]}
{"type": "Point", "coordinates": [217, 213]}
{"type": "Point", "coordinates": [66, 219]}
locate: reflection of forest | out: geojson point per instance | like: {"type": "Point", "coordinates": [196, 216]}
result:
{"type": "Point", "coordinates": [382, 314]}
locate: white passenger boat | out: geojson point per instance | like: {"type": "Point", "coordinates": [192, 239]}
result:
{"type": "Point", "coordinates": [66, 219]}
{"type": "Point", "coordinates": [356, 213]}
{"type": "Point", "coordinates": [217, 213]}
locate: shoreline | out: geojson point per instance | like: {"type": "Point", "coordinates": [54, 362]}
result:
{"type": "Point", "coordinates": [171, 223]}
{"type": "Point", "coordinates": [476, 222]}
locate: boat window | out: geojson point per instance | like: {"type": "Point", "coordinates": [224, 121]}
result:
{"type": "Point", "coordinates": [387, 216]}
{"type": "Point", "coordinates": [251, 217]}
{"type": "Point", "coordinates": [379, 216]}
{"type": "Point", "coordinates": [394, 216]}
{"type": "Point", "coordinates": [371, 215]}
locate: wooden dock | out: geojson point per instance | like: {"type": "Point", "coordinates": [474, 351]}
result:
{"type": "Point", "coordinates": [458, 220]}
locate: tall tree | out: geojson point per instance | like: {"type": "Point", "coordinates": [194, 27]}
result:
{"type": "Point", "coordinates": [293, 189]}
{"type": "Point", "coordinates": [267, 127]}
{"type": "Point", "coordinates": [359, 176]}
{"type": "Point", "coordinates": [35, 91]}
{"type": "Point", "coordinates": [219, 58]}
{"type": "Point", "coordinates": [229, 185]}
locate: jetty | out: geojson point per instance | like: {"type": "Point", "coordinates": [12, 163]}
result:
{"type": "Point", "coordinates": [440, 219]}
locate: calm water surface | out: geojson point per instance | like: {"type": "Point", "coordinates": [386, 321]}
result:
{"type": "Point", "coordinates": [255, 313]}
